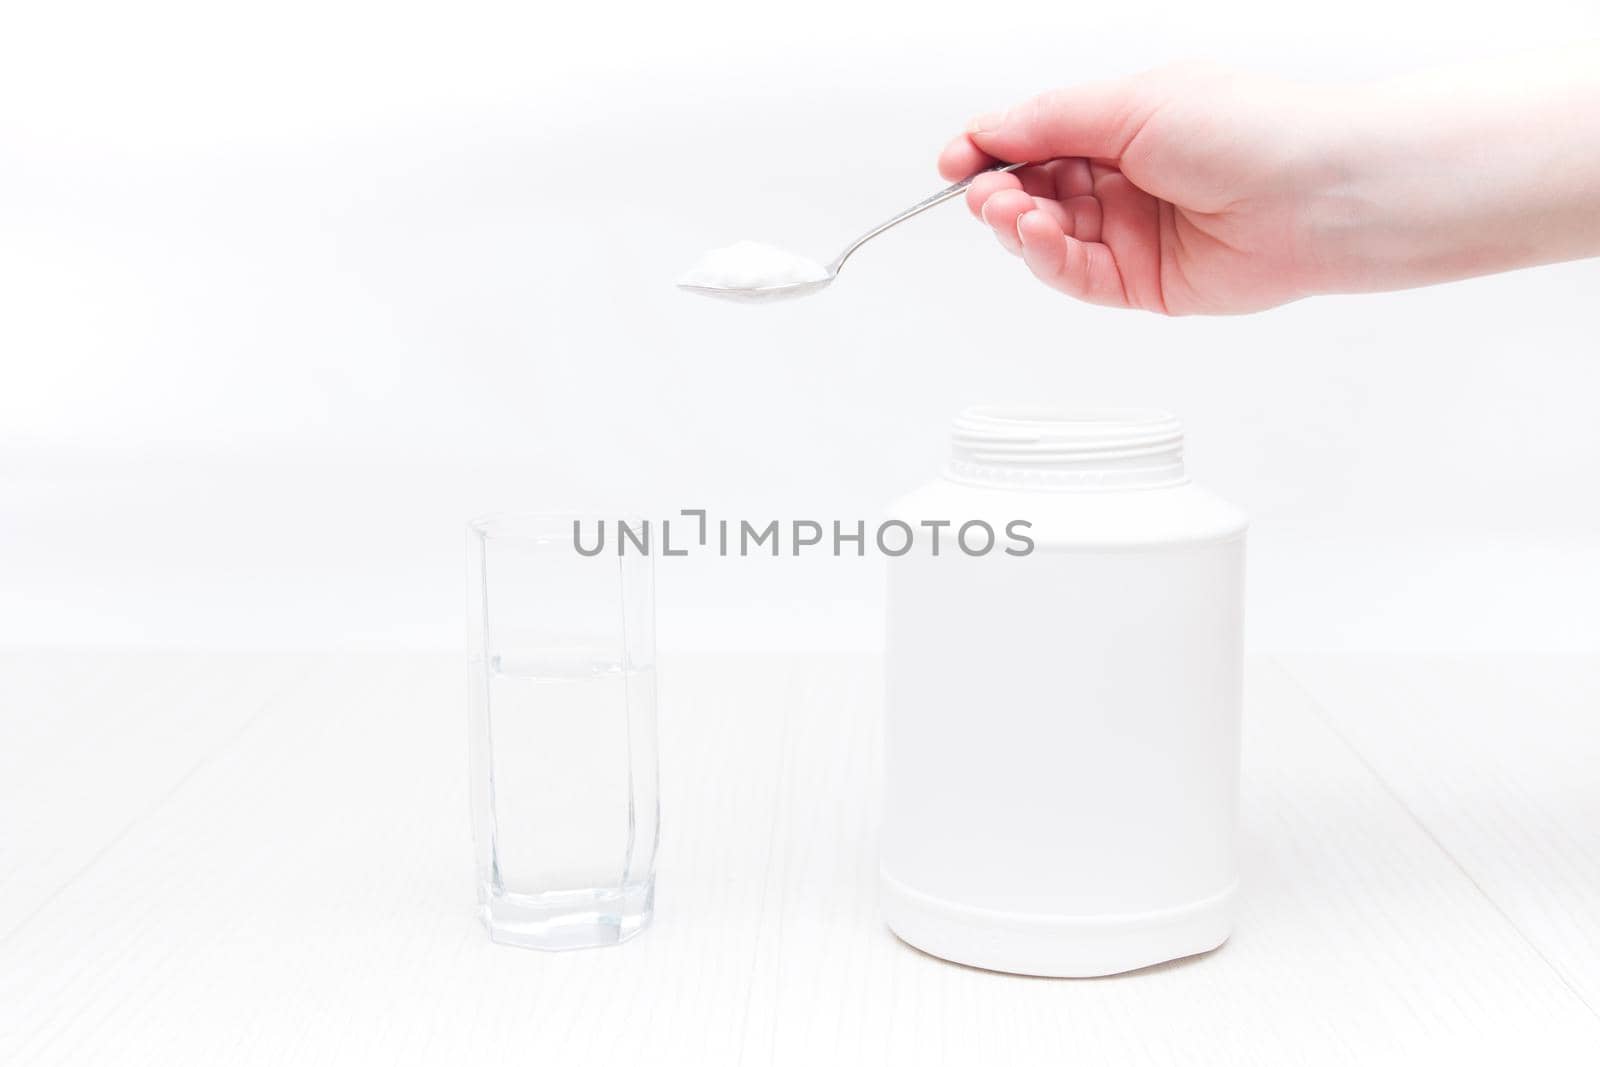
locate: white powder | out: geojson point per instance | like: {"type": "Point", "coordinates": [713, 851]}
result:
{"type": "Point", "coordinates": [750, 265]}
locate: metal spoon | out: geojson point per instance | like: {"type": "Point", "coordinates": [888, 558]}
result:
{"type": "Point", "coordinates": [785, 292]}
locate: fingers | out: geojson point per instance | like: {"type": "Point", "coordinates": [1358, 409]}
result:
{"type": "Point", "coordinates": [962, 159]}
{"type": "Point", "coordinates": [1132, 231]}
{"type": "Point", "coordinates": [1003, 209]}
{"type": "Point", "coordinates": [1097, 120]}
{"type": "Point", "coordinates": [1059, 240]}
{"type": "Point", "coordinates": [1051, 216]}
{"type": "Point", "coordinates": [1062, 178]}
{"type": "Point", "coordinates": [1081, 269]}
{"type": "Point", "coordinates": [1000, 199]}
{"type": "Point", "coordinates": [986, 185]}
{"type": "Point", "coordinates": [1001, 212]}
{"type": "Point", "coordinates": [1079, 217]}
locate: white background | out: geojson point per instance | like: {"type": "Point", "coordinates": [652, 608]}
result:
{"type": "Point", "coordinates": [289, 292]}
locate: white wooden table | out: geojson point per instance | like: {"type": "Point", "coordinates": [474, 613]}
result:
{"type": "Point", "coordinates": [234, 859]}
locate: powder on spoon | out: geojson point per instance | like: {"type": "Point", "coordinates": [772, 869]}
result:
{"type": "Point", "coordinates": [751, 265]}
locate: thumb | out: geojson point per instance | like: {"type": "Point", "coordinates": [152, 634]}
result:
{"type": "Point", "coordinates": [1098, 120]}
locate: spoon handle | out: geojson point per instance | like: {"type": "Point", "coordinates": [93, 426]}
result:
{"type": "Point", "coordinates": [916, 209]}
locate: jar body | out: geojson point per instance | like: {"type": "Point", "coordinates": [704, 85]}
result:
{"type": "Point", "coordinates": [1062, 730]}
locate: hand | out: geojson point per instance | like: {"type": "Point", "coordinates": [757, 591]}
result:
{"type": "Point", "coordinates": [1180, 191]}
{"type": "Point", "coordinates": [1194, 190]}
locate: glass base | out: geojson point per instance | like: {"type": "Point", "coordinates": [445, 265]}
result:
{"type": "Point", "coordinates": [568, 918]}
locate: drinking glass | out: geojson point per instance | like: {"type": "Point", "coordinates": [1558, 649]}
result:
{"type": "Point", "coordinates": [561, 661]}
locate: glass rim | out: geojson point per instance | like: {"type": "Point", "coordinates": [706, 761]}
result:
{"type": "Point", "coordinates": [541, 526]}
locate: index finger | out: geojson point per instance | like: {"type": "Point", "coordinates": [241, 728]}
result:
{"type": "Point", "coordinates": [962, 159]}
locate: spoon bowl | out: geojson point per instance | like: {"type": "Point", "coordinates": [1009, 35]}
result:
{"type": "Point", "coordinates": [769, 293]}
{"type": "Point", "coordinates": [764, 294]}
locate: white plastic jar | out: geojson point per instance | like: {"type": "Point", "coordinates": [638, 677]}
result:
{"type": "Point", "coordinates": [1062, 730]}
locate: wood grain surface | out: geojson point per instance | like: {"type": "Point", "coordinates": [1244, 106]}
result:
{"type": "Point", "coordinates": [265, 860]}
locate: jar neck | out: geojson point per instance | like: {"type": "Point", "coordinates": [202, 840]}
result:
{"type": "Point", "coordinates": [1021, 448]}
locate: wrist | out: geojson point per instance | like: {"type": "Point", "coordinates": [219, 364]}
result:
{"type": "Point", "coordinates": [1362, 228]}
{"type": "Point", "coordinates": [1450, 175]}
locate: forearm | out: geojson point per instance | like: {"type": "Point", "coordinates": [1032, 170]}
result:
{"type": "Point", "coordinates": [1458, 173]}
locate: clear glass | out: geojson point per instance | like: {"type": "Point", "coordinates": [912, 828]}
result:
{"type": "Point", "coordinates": [561, 662]}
